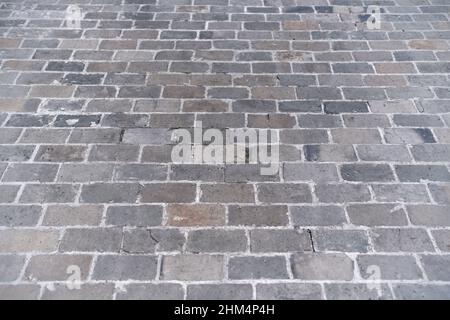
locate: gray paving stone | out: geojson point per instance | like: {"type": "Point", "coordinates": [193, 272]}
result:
{"type": "Point", "coordinates": [85, 172]}
{"type": "Point", "coordinates": [138, 216]}
{"type": "Point", "coordinates": [340, 240]}
{"type": "Point", "coordinates": [95, 239]}
{"type": "Point", "coordinates": [88, 291]}
{"type": "Point", "coordinates": [153, 240]}
{"type": "Point", "coordinates": [27, 240]}
{"type": "Point", "coordinates": [19, 216]}
{"type": "Point", "coordinates": [429, 215]}
{"type": "Point", "coordinates": [257, 268]}
{"type": "Point", "coordinates": [219, 291]}
{"type": "Point", "coordinates": [49, 193]}
{"type": "Point", "coordinates": [163, 291]}
{"type": "Point", "coordinates": [60, 153]}
{"type": "Point", "coordinates": [421, 173]}
{"type": "Point", "coordinates": [258, 215]}
{"type": "Point", "coordinates": [391, 267]}
{"type": "Point", "coordinates": [192, 267]}
{"type": "Point", "coordinates": [8, 193]}
{"type": "Point", "coordinates": [56, 267]}
{"type": "Point", "coordinates": [442, 238]}
{"type": "Point", "coordinates": [287, 240]}
{"type": "Point", "coordinates": [120, 267]}
{"type": "Point", "coordinates": [422, 291]}
{"type": "Point", "coordinates": [342, 193]}
{"type": "Point", "coordinates": [19, 292]}
{"type": "Point", "coordinates": [317, 216]}
{"type": "Point", "coordinates": [288, 291]}
{"type": "Point", "coordinates": [347, 291]}
{"type": "Point", "coordinates": [434, 266]}
{"type": "Point", "coordinates": [11, 267]}
{"type": "Point", "coordinates": [285, 193]}
{"type": "Point", "coordinates": [320, 266]}
{"type": "Point", "coordinates": [216, 240]}
{"type": "Point", "coordinates": [377, 215]}
{"type": "Point", "coordinates": [405, 240]}
{"type": "Point", "coordinates": [68, 215]}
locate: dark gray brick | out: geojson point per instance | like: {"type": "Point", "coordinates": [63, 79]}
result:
{"type": "Point", "coordinates": [216, 241]}
{"type": "Point", "coordinates": [367, 172]}
{"type": "Point", "coordinates": [279, 241]}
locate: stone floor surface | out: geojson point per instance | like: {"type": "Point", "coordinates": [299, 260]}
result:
{"type": "Point", "coordinates": [89, 93]}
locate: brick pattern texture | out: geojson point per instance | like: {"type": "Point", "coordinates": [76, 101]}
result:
{"type": "Point", "coordinates": [362, 115]}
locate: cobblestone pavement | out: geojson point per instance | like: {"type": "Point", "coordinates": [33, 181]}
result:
{"type": "Point", "coordinates": [360, 207]}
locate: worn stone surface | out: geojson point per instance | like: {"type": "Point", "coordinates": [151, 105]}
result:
{"type": "Point", "coordinates": [88, 176]}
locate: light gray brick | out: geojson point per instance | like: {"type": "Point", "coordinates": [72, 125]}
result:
{"type": "Point", "coordinates": [55, 267]}
{"type": "Point", "coordinates": [348, 291]}
{"type": "Point", "coordinates": [407, 240]}
{"type": "Point", "coordinates": [392, 267]}
{"type": "Point", "coordinates": [400, 193]}
{"type": "Point", "coordinates": [192, 267]}
{"type": "Point", "coordinates": [377, 215]}
{"type": "Point", "coordinates": [27, 240]}
{"type": "Point", "coordinates": [11, 267]}
{"type": "Point", "coordinates": [19, 216]}
{"type": "Point", "coordinates": [422, 173]}
{"type": "Point", "coordinates": [340, 240]}
{"type": "Point", "coordinates": [392, 153]}
{"type": "Point", "coordinates": [429, 215]}
{"type": "Point", "coordinates": [8, 193]}
{"type": "Point", "coordinates": [422, 291]}
{"type": "Point", "coordinates": [65, 215]}
{"type": "Point", "coordinates": [322, 266]}
{"type": "Point", "coordinates": [93, 239]}
{"type": "Point", "coordinates": [442, 238]}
